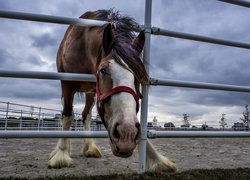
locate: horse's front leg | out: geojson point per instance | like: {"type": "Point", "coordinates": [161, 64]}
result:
{"type": "Point", "coordinates": [60, 156]}
{"type": "Point", "coordinates": [155, 162]}
{"type": "Point", "coordinates": [90, 149]}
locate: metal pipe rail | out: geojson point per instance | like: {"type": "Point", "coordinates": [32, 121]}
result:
{"type": "Point", "coordinates": [53, 134]}
{"type": "Point", "coordinates": [88, 22]}
{"type": "Point", "coordinates": [145, 89]}
{"type": "Point", "coordinates": [48, 75]}
{"type": "Point", "coordinates": [91, 78]}
{"type": "Point", "coordinates": [164, 32]}
{"type": "Point", "coordinates": [198, 134]}
{"type": "Point", "coordinates": [22, 105]}
{"type": "Point", "coordinates": [104, 134]}
{"type": "Point", "coordinates": [237, 2]}
{"type": "Point", "coordinates": [199, 85]}
{"type": "Point", "coordinates": [50, 19]}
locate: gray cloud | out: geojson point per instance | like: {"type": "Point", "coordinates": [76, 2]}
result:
{"type": "Point", "coordinates": [4, 5]}
{"type": "Point", "coordinates": [5, 59]}
{"type": "Point", "coordinates": [44, 40]}
{"type": "Point", "coordinates": [30, 89]}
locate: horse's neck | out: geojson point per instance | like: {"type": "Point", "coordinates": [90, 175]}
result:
{"type": "Point", "coordinates": [80, 49]}
{"type": "Point", "coordinates": [92, 47]}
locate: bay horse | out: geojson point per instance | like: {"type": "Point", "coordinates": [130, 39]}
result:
{"type": "Point", "coordinates": [112, 53]}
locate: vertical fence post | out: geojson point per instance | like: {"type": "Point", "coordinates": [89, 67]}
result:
{"type": "Point", "coordinates": [144, 103]}
{"type": "Point", "coordinates": [59, 121]}
{"type": "Point", "coordinates": [21, 120]}
{"type": "Point", "coordinates": [39, 118]}
{"type": "Point", "coordinates": [7, 114]}
{"type": "Point", "coordinates": [76, 123]}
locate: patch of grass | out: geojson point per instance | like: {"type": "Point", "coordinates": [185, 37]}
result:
{"type": "Point", "coordinates": [199, 174]}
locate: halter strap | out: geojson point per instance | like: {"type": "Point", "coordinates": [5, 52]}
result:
{"type": "Point", "coordinates": [101, 97]}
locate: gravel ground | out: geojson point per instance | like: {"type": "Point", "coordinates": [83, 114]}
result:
{"type": "Point", "coordinates": [28, 157]}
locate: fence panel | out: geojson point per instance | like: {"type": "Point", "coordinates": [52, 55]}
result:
{"type": "Point", "coordinates": [91, 78]}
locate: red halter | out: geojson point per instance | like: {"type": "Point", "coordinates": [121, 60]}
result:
{"type": "Point", "coordinates": [110, 92]}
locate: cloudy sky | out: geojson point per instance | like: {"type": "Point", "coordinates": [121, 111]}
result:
{"type": "Point", "coordinates": [33, 46]}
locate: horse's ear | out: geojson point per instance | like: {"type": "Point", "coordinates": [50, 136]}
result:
{"type": "Point", "coordinates": [108, 39]}
{"type": "Point", "coordinates": [138, 42]}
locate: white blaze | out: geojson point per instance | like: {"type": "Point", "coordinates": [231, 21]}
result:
{"type": "Point", "coordinates": [123, 101]}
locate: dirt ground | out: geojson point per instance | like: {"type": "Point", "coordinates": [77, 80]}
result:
{"type": "Point", "coordinates": [28, 157]}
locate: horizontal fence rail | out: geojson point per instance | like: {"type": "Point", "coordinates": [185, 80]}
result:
{"type": "Point", "coordinates": [48, 75]}
{"type": "Point", "coordinates": [28, 106]}
{"type": "Point", "coordinates": [198, 134]}
{"type": "Point", "coordinates": [53, 134]}
{"type": "Point", "coordinates": [238, 2]}
{"type": "Point", "coordinates": [199, 85]}
{"type": "Point", "coordinates": [104, 134]}
{"type": "Point", "coordinates": [194, 37]}
{"type": "Point", "coordinates": [91, 78]}
{"type": "Point", "coordinates": [88, 22]}
{"type": "Point", "coordinates": [50, 19]}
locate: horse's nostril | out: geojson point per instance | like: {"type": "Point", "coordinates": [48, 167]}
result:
{"type": "Point", "coordinates": [137, 125]}
{"type": "Point", "coordinates": [117, 148]}
{"type": "Point", "coordinates": [116, 132]}
{"type": "Point", "coordinates": [138, 135]}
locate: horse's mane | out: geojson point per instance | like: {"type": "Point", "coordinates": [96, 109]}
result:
{"type": "Point", "coordinates": [124, 28]}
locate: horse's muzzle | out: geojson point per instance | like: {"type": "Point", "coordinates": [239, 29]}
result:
{"type": "Point", "coordinates": [124, 138]}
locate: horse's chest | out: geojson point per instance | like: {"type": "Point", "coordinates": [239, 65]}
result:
{"type": "Point", "coordinates": [86, 87]}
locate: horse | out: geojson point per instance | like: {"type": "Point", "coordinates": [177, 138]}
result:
{"type": "Point", "coordinates": [113, 53]}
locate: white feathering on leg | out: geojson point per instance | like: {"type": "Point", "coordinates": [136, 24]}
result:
{"type": "Point", "coordinates": [90, 149]}
{"type": "Point", "coordinates": [60, 156]}
{"type": "Point", "coordinates": [155, 162]}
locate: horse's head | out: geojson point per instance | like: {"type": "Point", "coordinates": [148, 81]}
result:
{"type": "Point", "coordinates": [119, 75]}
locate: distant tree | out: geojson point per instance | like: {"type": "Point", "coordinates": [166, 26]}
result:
{"type": "Point", "coordinates": [222, 122]}
{"type": "Point", "coordinates": [31, 110]}
{"type": "Point", "coordinates": [154, 121]}
{"type": "Point", "coordinates": [245, 118]}
{"type": "Point", "coordinates": [185, 121]}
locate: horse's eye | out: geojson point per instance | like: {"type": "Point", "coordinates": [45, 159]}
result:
{"type": "Point", "coordinates": [103, 71]}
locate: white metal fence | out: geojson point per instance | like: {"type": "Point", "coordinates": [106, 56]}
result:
{"type": "Point", "coordinates": [144, 105]}
{"type": "Point", "coordinates": [15, 116]}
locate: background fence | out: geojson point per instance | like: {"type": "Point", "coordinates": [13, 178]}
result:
{"type": "Point", "coordinates": [144, 105]}
{"type": "Point", "coordinates": [15, 116]}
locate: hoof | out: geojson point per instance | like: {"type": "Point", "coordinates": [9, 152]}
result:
{"type": "Point", "coordinates": [160, 164]}
{"type": "Point", "coordinates": [59, 159]}
{"type": "Point", "coordinates": [92, 151]}
{"type": "Point", "coordinates": [157, 163]}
